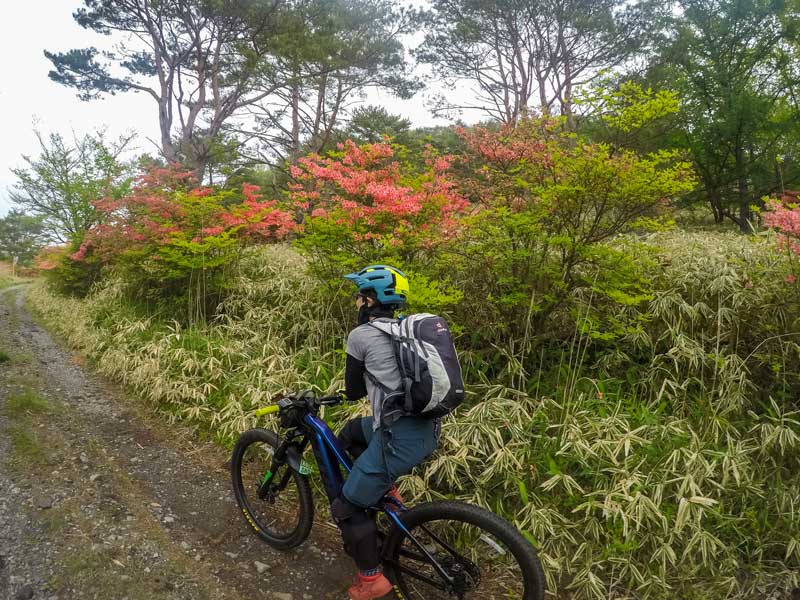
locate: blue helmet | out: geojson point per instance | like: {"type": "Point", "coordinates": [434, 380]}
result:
{"type": "Point", "coordinates": [389, 284]}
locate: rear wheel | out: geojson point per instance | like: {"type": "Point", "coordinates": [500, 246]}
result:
{"type": "Point", "coordinates": [282, 512]}
{"type": "Point", "coordinates": [483, 556]}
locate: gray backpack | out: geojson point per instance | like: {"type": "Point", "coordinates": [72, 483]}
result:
{"type": "Point", "coordinates": [426, 356]}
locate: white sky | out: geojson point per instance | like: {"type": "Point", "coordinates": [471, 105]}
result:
{"type": "Point", "coordinates": [28, 98]}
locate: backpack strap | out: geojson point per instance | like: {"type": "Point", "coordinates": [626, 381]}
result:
{"type": "Point", "coordinates": [397, 342]}
{"type": "Point", "coordinates": [409, 325]}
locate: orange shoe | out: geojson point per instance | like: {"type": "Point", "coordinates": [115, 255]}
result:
{"type": "Point", "coordinates": [369, 587]}
{"type": "Point", "coordinates": [394, 494]}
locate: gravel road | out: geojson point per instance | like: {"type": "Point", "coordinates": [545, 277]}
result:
{"type": "Point", "coordinates": [100, 499]}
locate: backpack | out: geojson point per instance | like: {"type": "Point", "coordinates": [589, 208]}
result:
{"type": "Point", "coordinates": [426, 356]}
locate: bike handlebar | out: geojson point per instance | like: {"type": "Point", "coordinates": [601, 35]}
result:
{"type": "Point", "coordinates": [267, 410]}
{"type": "Point", "coordinates": [324, 401]}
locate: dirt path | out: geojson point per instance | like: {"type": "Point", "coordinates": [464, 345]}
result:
{"type": "Point", "coordinates": [100, 500]}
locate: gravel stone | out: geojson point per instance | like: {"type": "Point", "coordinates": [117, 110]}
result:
{"type": "Point", "coordinates": [260, 567]}
{"type": "Point", "coordinates": [25, 593]}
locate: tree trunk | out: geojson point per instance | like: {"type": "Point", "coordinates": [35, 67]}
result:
{"type": "Point", "coordinates": [715, 199]}
{"type": "Point", "coordinates": [566, 107]}
{"type": "Point", "coordinates": [295, 148]}
{"type": "Point", "coordinates": [744, 199]}
{"type": "Point", "coordinates": [543, 102]}
{"type": "Point", "coordinates": [165, 124]}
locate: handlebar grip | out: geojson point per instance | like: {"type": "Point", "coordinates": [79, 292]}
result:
{"type": "Point", "coordinates": [267, 410]}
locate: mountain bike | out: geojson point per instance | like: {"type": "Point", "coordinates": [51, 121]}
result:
{"type": "Point", "coordinates": [443, 549]}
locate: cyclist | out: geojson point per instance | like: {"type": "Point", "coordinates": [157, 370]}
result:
{"type": "Point", "coordinates": [386, 445]}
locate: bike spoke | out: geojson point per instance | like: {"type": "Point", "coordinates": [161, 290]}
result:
{"type": "Point", "coordinates": [476, 566]}
{"type": "Point", "coordinates": [440, 541]}
{"type": "Point", "coordinates": [419, 576]}
{"type": "Point", "coordinates": [413, 555]}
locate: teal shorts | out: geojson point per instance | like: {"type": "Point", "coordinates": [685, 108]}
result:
{"type": "Point", "coordinates": [407, 442]}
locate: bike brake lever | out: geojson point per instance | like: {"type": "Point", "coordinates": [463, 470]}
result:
{"type": "Point", "coordinates": [331, 400]}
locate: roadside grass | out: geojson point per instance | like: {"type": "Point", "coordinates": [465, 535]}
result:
{"type": "Point", "coordinates": [27, 450]}
{"type": "Point", "coordinates": [91, 567]}
{"type": "Point", "coordinates": [21, 357]}
{"type": "Point", "coordinates": [58, 518]}
{"type": "Point", "coordinates": [25, 446]}
{"type": "Point", "coordinates": [7, 279]}
{"type": "Point", "coordinates": [4, 356]}
{"type": "Point", "coordinates": [27, 403]}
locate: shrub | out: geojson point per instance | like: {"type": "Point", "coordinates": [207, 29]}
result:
{"type": "Point", "coordinates": [65, 274]}
{"type": "Point", "coordinates": [171, 240]}
{"type": "Point", "coordinates": [784, 216]}
{"type": "Point", "coordinates": [364, 205]}
{"type": "Point", "coordinates": [542, 246]}
{"type": "Point", "coordinates": [718, 335]}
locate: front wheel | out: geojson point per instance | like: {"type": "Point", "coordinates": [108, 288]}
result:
{"type": "Point", "coordinates": [479, 556]}
{"type": "Point", "coordinates": [280, 511]}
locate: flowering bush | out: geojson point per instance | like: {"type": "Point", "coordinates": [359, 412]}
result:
{"type": "Point", "coordinates": [65, 275]}
{"type": "Point", "coordinates": [784, 216]}
{"type": "Point", "coordinates": [364, 205]}
{"type": "Point", "coordinates": [172, 239]}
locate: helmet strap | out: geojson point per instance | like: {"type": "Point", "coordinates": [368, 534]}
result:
{"type": "Point", "coordinates": [363, 314]}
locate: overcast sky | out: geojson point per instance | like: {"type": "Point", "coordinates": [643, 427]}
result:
{"type": "Point", "coordinates": [29, 99]}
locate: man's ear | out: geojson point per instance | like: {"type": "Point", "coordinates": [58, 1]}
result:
{"type": "Point", "coordinates": [371, 302]}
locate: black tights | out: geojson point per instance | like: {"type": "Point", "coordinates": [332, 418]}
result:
{"type": "Point", "coordinates": [352, 439]}
{"type": "Point", "coordinates": [359, 532]}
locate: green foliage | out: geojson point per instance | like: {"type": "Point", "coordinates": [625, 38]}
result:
{"type": "Point", "coordinates": [633, 389]}
{"type": "Point", "coordinates": [59, 186]}
{"type": "Point", "coordinates": [630, 107]}
{"type": "Point", "coordinates": [645, 476]}
{"type": "Point", "coordinates": [64, 273]}
{"type": "Point", "coordinates": [20, 237]}
{"type": "Point", "coordinates": [294, 66]}
{"type": "Point", "coordinates": [707, 343]}
{"type": "Point", "coordinates": [327, 52]}
{"type": "Point", "coordinates": [522, 57]}
{"type": "Point", "coordinates": [174, 242]}
{"type": "Point", "coordinates": [543, 242]}
{"type": "Point", "coordinates": [153, 41]}
{"type": "Point", "coordinates": [26, 403]}
{"type": "Point", "coordinates": [366, 205]}
{"type": "Point", "coordinates": [624, 114]}
{"type": "Point", "coordinates": [369, 125]}
{"type": "Point", "coordinates": [731, 64]}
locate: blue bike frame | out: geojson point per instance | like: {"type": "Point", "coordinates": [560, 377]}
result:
{"type": "Point", "coordinates": [329, 455]}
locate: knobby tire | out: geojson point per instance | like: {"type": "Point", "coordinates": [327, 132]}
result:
{"type": "Point", "coordinates": [452, 515]}
{"type": "Point", "coordinates": [247, 498]}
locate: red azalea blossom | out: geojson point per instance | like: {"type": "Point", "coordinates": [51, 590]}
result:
{"type": "Point", "coordinates": [166, 207]}
{"type": "Point", "coordinates": [786, 219]}
{"type": "Point", "coordinates": [377, 197]}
